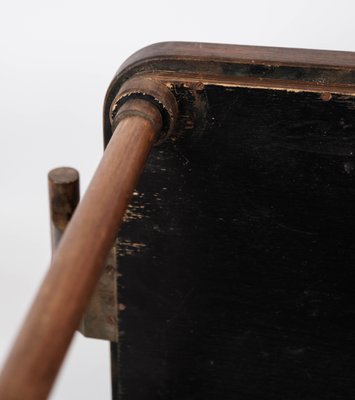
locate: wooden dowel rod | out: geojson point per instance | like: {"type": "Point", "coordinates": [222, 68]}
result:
{"type": "Point", "coordinates": [76, 266]}
{"type": "Point", "coordinates": [64, 196]}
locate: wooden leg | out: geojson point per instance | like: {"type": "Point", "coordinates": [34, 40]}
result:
{"type": "Point", "coordinates": [77, 263]}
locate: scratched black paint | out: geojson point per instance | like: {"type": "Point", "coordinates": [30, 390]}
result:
{"type": "Point", "coordinates": [242, 284]}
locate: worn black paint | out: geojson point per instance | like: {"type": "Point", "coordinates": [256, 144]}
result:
{"type": "Point", "coordinates": [237, 271]}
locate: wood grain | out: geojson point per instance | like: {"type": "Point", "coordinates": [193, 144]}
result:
{"type": "Point", "coordinates": [242, 53]}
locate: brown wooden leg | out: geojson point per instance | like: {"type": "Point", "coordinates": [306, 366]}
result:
{"type": "Point", "coordinates": [77, 263]}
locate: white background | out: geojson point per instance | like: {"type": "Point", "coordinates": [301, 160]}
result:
{"type": "Point", "coordinates": [56, 61]}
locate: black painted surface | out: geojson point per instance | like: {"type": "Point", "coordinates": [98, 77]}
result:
{"type": "Point", "coordinates": [238, 255]}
